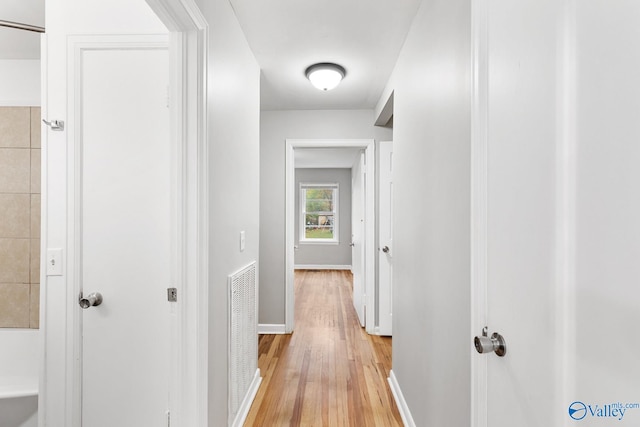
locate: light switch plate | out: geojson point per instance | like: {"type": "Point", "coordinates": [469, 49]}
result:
{"type": "Point", "coordinates": [242, 241]}
{"type": "Point", "coordinates": [54, 262]}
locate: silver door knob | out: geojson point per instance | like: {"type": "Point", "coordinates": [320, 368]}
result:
{"type": "Point", "coordinates": [495, 343]}
{"type": "Point", "coordinates": [91, 300]}
{"type": "Point", "coordinates": [385, 249]}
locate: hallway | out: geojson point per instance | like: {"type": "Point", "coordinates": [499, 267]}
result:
{"type": "Point", "coordinates": [329, 372]}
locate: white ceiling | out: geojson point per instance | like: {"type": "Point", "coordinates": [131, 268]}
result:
{"type": "Point", "coordinates": [20, 44]}
{"type": "Point", "coordinates": [286, 36]}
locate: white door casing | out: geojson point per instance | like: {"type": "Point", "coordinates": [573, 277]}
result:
{"type": "Point", "coordinates": [385, 238]}
{"type": "Point", "coordinates": [189, 49]}
{"type": "Point", "coordinates": [358, 237]}
{"type": "Point", "coordinates": [369, 228]}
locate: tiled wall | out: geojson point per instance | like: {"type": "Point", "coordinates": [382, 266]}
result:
{"type": "Point", "coordinates": [19, 217]}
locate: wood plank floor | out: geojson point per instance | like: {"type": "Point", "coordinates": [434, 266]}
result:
{"type": "Point", "coordinates": [329, 372]}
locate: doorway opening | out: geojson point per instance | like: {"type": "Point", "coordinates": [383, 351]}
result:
{"type": "Point", "coordinates": [362, 243]}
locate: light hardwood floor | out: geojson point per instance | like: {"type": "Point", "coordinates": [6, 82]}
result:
{"type": "Point", "coordinates": [329, 372]}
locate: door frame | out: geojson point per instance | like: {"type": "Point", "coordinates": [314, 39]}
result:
{"type": "Point", "coordinates": [60, 382]}
{"type": "Point", "coordinates": [290, 192]}
{"type": "Point", "coordinates": [189, 35]}
{"type": "Point", "coordinates": [75, 47]}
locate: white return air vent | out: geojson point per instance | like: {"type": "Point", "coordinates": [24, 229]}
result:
{"type": "Point", "coordinates": [244, 376]}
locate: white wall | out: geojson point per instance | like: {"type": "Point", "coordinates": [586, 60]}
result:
{"type": "Point", "coordinates": [19, 82]}
{"type": "Point", "coordinates": [275, 128]}
{"type": "Point", "coordinates": [431, 138]}
{"type": "Point", "coordinates": [326, 253]}
{"type": "Point", "coordinates": [234, 137]}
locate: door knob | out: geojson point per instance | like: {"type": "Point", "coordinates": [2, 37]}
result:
{"type": "Point", "coordinates": [91, 300]}
{"type": "Point", "coordinates": [485, 344]}
{"type": "Point", "coordinates": [385, 249]}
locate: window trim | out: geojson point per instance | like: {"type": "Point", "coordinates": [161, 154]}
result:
{"type": "Point", "coordinates": [302, 214]}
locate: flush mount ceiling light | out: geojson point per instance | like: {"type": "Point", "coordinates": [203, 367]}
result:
{"type": "Point", "coordinates": [325, 75]}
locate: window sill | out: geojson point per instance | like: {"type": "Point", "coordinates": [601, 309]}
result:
{"type": "Point", "coordinates": [319, 242]}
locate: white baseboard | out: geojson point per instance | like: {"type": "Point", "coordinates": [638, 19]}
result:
{"type": "Point", "coordinates": [405, 413]}
{"type": "Point", "coordinates": [243, 411]}
{"type": "Point", "coordinates": [321, 267]}
{"type": "Point", "coordinates": [268, 329]}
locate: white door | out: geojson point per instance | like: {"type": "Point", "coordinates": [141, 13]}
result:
{"type": "Point", "coordinates": [385, 239]}
{"type": "Point", "coordinates": [515, 218]}
{"type": "Point", "coordinates": [557, 252]}
{"type": "Point", "coordinates": [358, 236]}
{"type": "Point", "coordinates": [125, 236]}
{"type": "Point", "coordinates": [605, 297]}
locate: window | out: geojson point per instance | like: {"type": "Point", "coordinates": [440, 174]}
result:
{"type": "Point", "coordinates": [319, 213]}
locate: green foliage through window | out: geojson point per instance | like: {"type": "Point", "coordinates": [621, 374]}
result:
{"type": "Point", "coordinates": [319, 212]}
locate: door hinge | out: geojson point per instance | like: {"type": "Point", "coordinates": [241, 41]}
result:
{"type": "Point", "coordinates": [172, 294]}
{"type": "Point", "coordinates": [168, 419]}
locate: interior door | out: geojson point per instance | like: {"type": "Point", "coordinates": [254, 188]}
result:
{"type": "Point", "coordinates": [358, 236]}
{"type": "Point", "coordinates": [516, 262]}
{"type": "Point", "coordinates": [560, 237]}
{"type": "Point", "coordinates": [126, 236]}
{"type": "Point", "coordinates": [605, 301]}
{"type": "Point", "coordinates": [385, 239]}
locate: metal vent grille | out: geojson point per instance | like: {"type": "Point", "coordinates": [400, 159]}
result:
{"type": "Point", "coordinates": [243, 335]}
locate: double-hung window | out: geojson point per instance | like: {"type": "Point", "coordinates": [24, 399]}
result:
{"type": "Point", "coordinates": [319, 213]}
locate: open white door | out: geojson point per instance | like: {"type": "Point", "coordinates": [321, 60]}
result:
{"type": "Point", "coordinates": [604, 301]}
{"type": "Point", "coordinates": [556, 211]}
{"type": "Point", "coordinates": [385, 238]}
{"type": "Point", "coordinates": [124, 206]}
{"type": "Point", "coordinates": [358, 236]}
{"type": "Point", "coordinates": [514, 219]}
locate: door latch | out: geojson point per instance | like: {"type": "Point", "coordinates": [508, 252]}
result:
{"type": "Point", "coordinates": [485, 344]}
{"type": "Point", "coordinates": [172, 294]}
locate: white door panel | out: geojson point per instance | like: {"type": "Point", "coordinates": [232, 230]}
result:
{"type": "Point", "coordinates": [518, 233]}
{"type": "Point", "coordinates": [385, 236]}
{"type": "Point", "coordinates": [561, 229]}
{"type": "Point", "coordinates": [520, 244]}
{"type": "Point", "coordinates": [358, 236]}
{"type": "Point", "coordinates": [126, 236]}
{"type": "Point", "coordinates": [607, 212]}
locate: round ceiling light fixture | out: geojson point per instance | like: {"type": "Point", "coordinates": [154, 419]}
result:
{"type": "Point", "coordinates": [325, 75]}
